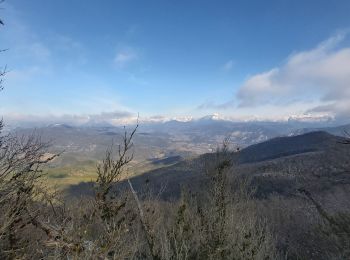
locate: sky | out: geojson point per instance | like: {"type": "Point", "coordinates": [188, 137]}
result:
{"type": "Point", "coordinates": [73, 60]}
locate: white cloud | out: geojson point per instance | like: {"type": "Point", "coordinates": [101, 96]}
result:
{"type": "Point", "coordinates": [124, 57]}
{"type": "Point", "coordinates": [321, 74]}
{"type": "Point", "coordinates": [116, 118]}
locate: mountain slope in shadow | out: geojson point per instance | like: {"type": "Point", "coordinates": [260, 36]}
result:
{"type": "Point", "coordinates": [287, 146]}
{"type": "Point", "coordinates": [269, 163]}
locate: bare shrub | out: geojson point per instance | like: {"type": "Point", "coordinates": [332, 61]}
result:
{"type": "Point", "coordinates": [21, 173]}
{"type": "Point", "coordinates": [217, 222]}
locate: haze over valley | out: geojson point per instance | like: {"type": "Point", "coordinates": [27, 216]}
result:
{"type": "Point", "coordinates": [158, 144]}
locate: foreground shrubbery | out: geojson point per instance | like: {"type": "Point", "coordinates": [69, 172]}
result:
{"type": "Point", "coordinates": [221, 220]}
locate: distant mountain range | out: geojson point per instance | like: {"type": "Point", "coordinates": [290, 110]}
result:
{"type": "Point", "coordinates": [172, 138]}
{"type": "Point", "coordinates": [121, 119]}
{"type": "Point", "coordinates": [169, 153]}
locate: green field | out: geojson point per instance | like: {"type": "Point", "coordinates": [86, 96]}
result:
{"type": "Point", "coordinates": [77, 171]}
{"type": "Point", "coordinates": [71, 174]}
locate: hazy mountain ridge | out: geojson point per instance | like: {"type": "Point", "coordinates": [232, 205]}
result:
{"type": "Point", "coordinates": [207, 130]}
{"type": "Point", "coordinates": [158, 145]}
{"type": "Point", "coordinates": [342, 130]}
{"type": "Point", "coordinates": [285, 146]}
{"type": "Point", "coordinates": [274, 166]}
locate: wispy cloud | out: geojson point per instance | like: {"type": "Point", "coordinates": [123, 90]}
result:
{"type": "Point", "coordinates": [125, 57]}
{"type": "Point", "coordinates": [228, 65]}
{"type": "Point", "coordinates": [212, 105]}
{"type": "Point", "coordinates": [20, 76]}
{"type": "Point", "coordinates": [31, 48]}
{"type": "Point", "coordinates": [37, 51]}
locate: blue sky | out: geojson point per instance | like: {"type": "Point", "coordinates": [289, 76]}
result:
{"type": "Point", "coordinates": [242, 59]}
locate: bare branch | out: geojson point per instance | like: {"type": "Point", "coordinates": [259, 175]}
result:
{"type": "Point", "coordinates": [111, 169]}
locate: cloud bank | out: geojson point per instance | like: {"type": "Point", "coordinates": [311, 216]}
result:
{"type": "Point", "coordinates": [105, 118]}
{"type": "Point", "coordinates": [321, 74]}
{"type": "Point", "coordinates": [113, 118]}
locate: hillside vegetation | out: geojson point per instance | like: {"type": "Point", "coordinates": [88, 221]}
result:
{"type": "Point", "coordinates": [289, 203]}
